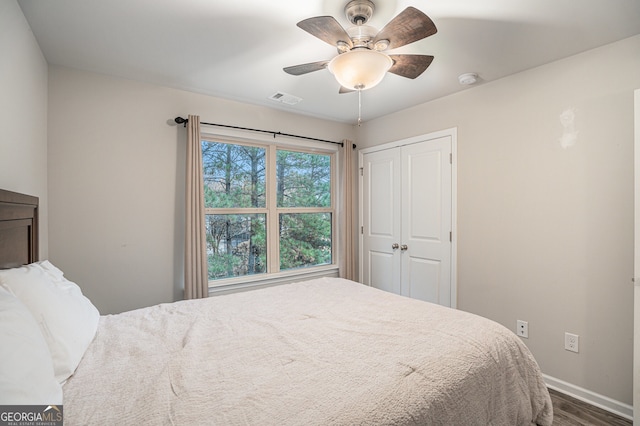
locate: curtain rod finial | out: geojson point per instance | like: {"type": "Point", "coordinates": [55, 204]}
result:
{"type": "Point", "coordinates": [182, 121]}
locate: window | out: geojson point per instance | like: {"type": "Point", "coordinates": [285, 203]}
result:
{"type": "Point", "coordinates": [267, 208]}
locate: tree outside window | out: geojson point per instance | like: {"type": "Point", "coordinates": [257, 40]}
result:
{"type": "Point", "coordinates": [241, 202]}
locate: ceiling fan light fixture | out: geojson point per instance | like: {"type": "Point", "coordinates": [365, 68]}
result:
{"type": "Point", "coordinates": [381, 45]}
{"type": "Point", "coordinates": [342, 47]}
{"type": "Point", "coordinates": [360, 69]}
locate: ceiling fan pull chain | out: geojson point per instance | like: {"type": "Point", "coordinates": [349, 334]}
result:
{"type": "Point", "coordinates": [359, 107]}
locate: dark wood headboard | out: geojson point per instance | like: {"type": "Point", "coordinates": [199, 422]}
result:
{"type": "Point", "coordinates": [18, 229]}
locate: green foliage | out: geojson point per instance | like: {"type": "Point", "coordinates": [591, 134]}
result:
{"type": "Point", "coordinates": [219, 264]}
{"type": "Point", "coordinates": [235, 177]}
{"type": "Point", "coordinates": [305, 240]}
{"type": "Point", "coordinates": [236, 245]}
{"type": "Point", "coordinates": [304, 180]}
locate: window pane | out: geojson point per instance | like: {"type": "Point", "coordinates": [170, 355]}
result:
{"type": "Point", "coordinates": [304, 180]}
{"type": "Point", "coordinates": [305, 240]}
{"type": "Point", "coordinates": [236, 245]}
{"type": "Point", "coordinates": [234, 175]}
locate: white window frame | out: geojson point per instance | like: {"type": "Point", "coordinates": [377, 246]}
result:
{"type": "Point", "coordinates": [274, 276]}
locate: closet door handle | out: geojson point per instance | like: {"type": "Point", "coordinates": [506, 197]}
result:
{"type": "Point", "coordinates": [395, 246]}
{"type": "Point", "coordinates": [404, 247]}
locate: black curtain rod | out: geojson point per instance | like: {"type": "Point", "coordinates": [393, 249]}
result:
{"type": "Point", "coordinates": [184, 122]}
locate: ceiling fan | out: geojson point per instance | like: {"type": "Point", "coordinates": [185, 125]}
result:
{"type": "Point", "coordinates": [362, 61]}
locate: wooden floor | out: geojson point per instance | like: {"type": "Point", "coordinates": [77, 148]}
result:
{"type": "Point", "coordinates": [568, 411]}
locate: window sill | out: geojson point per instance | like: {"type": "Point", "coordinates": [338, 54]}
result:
{"type": "Point", "coordinates": [233, 285]}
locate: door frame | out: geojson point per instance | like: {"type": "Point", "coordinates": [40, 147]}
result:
{"type": "Point", "coordinates": [453, 134]}
{"type": "Point", "coordinates": [636, 261]}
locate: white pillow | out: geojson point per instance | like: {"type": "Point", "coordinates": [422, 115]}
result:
{"type": "Point", "coordinates": [67, 319]}
{"type": "Point", "coordinates": [26, 369]}
{"type": "Point", "coordinates": [52, 270]}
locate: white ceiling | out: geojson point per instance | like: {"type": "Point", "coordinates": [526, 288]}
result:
{"type": "Point", "coordinates": [236, 49]}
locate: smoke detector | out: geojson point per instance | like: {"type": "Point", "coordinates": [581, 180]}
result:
{"type": "Point", "coordinates": [468, 79]}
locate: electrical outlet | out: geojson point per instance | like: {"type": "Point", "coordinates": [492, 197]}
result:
{"type": "Point", "coordinates": [571, 342]}
{"type": "Point", "coordinates": [522, 329]}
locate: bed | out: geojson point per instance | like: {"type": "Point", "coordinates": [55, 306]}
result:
{"type": "Point", "coordinates": [321, 352]}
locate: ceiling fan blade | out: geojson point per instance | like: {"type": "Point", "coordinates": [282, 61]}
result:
{"type": "Point", "coordinates": [409, 26]}
{"type": "Point", "coordinates": [344, 90]}
{"type": "Point", "coordinates": [306, 68]}
{"type": "Point", "coordinates": [410, 66]}
{"type": "Point", "coordinates": [327, 29]}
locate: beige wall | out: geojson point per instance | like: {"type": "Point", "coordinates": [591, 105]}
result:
{"type": "Point", "coordinates": [116, 180]}
{"type": "Point", "coordinates": [23, 112]}
{"type": "Point", "coordinates": [545, 233]}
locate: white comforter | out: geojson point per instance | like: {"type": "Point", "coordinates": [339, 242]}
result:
{"type": "Point", "coordinates": [321, 352]}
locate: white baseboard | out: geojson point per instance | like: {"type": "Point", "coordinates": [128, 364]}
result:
{"type": "Point", "coordinates": [597, 400]}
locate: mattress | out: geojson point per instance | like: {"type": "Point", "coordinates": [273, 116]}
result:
{"type": "Point", "coordinates": [321, 352]}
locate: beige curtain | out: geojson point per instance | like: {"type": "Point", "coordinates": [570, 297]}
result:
{"type": "Point", "coordinates": [196, 283]}
{"type": "Point", "coordinates": [345, 212]}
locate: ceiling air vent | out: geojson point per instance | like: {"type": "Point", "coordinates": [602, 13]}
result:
{"type": "Point", "coordinates": [285, 98]}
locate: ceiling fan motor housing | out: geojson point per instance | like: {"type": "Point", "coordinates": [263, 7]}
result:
{"type": "Point", "coordinates": [359, 11]}
{"type": "Point", "coordinates": [362, 35]}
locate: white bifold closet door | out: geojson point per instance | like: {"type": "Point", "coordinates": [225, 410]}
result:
{"type": "Point", "coordinates": [406, 220]}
